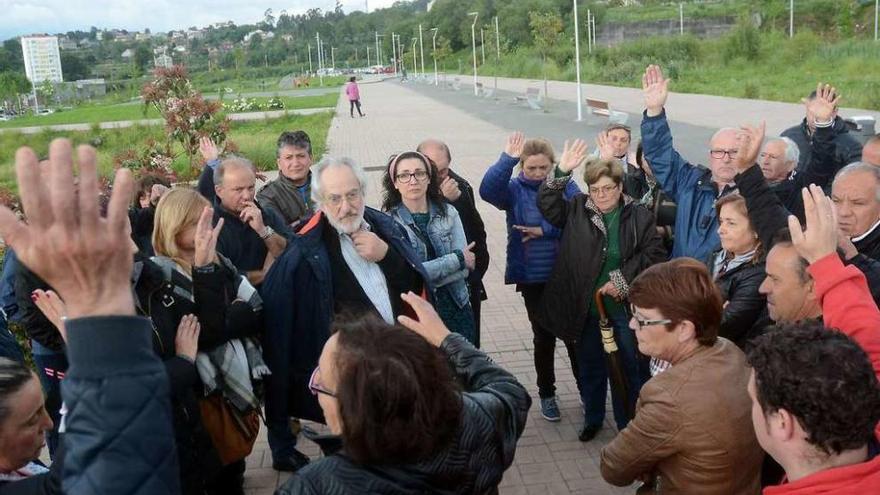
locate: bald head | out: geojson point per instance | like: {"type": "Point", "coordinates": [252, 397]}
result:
{"type": "Point", "coordinates": [235, 183]}
{"type": "Point", "coordinates": [439, 153]}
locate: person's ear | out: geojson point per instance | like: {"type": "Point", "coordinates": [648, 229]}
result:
{"type": "Point", "coordinates": [686, 331]}
{"type": "Point", "coordinates": [782, 425]}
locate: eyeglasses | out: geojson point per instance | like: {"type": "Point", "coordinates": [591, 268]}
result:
{"type": "Point", "coordinates": [595, 191]}
{"type": "Point", "coordinates": [316, 387]}
{"type": "Point", "coordinates": [720, 153]}
{"type": "Point", "coordinates": [352, 197]}
{"type": "Point", "coordinates": [646, 323]}
{"type": "Point", "coordinates": [406, 178]}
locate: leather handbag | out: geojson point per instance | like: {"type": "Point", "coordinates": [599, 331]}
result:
{"type": "Point", "coordinates": [233, 432]}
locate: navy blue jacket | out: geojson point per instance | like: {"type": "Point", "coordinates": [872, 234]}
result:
{"type": "Point", "coordinates": [689, 186]}
{"type": "Point", "coordinates": [298, 307]}
{"type": "Point", "coordinates": [529, 262]}
{"type": "Point", "coordinates": [119, 438]}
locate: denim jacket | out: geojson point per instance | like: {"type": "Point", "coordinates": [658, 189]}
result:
{"type": "Point", "coordinates": [447, 236]}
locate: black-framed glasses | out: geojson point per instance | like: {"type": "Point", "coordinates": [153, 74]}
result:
{"type": "Point", "coordinates": [720, 153]}
{"type": "Point", "coordinates": [316, 388]}
{"type": "Point", "coordinates": [407, 177]}
{"type": "Point", "coordinates": [646, 323]}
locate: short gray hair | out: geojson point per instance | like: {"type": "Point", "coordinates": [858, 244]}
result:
{"type": "Point", "coordinates": [792, 152]}
{"type": "Point", "coordinates": [861, 167]}
{"type": "Point", "coordinates": [331, 162]}
{"type": "Point", "coordinates": [231, 161]}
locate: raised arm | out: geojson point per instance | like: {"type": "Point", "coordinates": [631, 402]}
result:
{"type": "Point", "coordinates": [494, 188]}
{"type": "Point", "coordinates": [551, 194]}
{"type": "Point", "coordinates": [116, 388]}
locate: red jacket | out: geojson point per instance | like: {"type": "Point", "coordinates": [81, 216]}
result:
{"type": "Point", "coordinates": [847, 305]}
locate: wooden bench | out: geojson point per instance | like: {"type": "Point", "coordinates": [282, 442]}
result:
{"type": "Point", "coordinates": [532, 98]}
{"type": "Point", "coordinates": [602, 108]}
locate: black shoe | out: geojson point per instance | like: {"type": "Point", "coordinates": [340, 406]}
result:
{"type": "Point", "coordinates": [589, 432]}
{"type": "Point", "coordinates": [294, 463]}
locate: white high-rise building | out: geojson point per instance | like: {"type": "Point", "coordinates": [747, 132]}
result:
{"type": "Point", "coordinates": [42, 59]}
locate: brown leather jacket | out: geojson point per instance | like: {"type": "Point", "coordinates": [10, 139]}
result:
{"type": "Point", "coordinates": [693, 430]}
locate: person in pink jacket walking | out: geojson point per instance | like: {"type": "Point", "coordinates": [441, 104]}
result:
{"type": "Point", "coordinates": [354, 96]}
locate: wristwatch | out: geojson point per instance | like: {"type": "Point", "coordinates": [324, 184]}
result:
{"type": "Point", "coordinates": [267, 233]}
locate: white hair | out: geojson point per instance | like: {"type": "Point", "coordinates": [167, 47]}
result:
{"type": "Point", "coordinates": [861, 167]}
{"type": "Point", "coordinates": [330, 162]}
{"type": "Point", "coordinates": [792, 152]}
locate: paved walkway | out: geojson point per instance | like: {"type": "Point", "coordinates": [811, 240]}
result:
{"type": "Point", "coordinates": [549, 459]}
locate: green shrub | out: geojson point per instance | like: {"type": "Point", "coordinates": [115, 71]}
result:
{"type": "Point", "coordinates": [744, 41]}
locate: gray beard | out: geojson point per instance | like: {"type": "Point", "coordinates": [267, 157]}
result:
{"type": "Point", "coordinates": [350, 228]}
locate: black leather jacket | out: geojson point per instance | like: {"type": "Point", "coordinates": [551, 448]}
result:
{"type": "Point", "coordinates": [494, 410]}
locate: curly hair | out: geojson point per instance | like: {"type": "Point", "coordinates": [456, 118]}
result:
{"type": "Point", "coordinates": [398, 398]}
{"type": "Point", "coordinates": [392, 195]}
{"type": "Point", "coordinates": [823, 378]}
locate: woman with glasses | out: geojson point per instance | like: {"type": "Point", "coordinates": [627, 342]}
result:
{"type": "Point", "coordinates": [532, 245]}
{"type": "Point", "coordinates": [607, 240]}
{"type": "Point", "coordinates": [693, 431]}
{"type": "Point", "coordinates": [443, 419]}
{"type": "Point", "coordinates": [413, 199]}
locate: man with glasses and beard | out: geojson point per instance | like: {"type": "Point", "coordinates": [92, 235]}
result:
{"type": "Point", "coordinates": [347, 258]}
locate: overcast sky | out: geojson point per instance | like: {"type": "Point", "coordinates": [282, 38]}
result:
{"type": "Point", "coordinates": [19, 17]}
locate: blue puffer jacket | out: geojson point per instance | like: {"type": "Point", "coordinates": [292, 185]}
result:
{"type": "Point", "coordinates": [529, 262]}
{"type": "Point", "coordinates": [119, 438]}
{"type": "Point", "coordinates": [689, 186]}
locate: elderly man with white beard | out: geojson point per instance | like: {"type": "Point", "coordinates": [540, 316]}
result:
{"type": "Point", "coordinates": [348, 259]}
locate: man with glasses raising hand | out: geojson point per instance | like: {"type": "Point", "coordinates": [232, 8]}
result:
{"type": "Point", "coordinates": [693, 187]}
{"type": "Point", "coordinates": [347, 258]}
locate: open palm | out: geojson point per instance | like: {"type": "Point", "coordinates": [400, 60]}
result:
{"type": "Point", "coordinates": [655, 88]}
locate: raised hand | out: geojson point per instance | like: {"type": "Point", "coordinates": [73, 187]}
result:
{"type": "Point", "coordinates": [86, 258]}
{"type": "Point", "coordinates": [656, 90]}
{"type": "Point", "coordinates": [369, 246]}
{"type": "Point", "coordinates": [156, 193]}
{"type": "Point", "coordinates": [208, 149]}
{"type": "Point", "coordinates": [515, 144]}
{"type": "Point", "coordinates": [750, 139]}
{"type": "Point", "coordinates": [606, 152]}
{"type": "Point", "coordinates": [819, 238]}
{"type": "Point", "coordinates": [824, 105]}
{"type": "Point", "coordinates": [186, 341]}
{"type": "Point", "coordinates": [449, 188]}
{"type": "Point", "coordinates": [206, 238]}
{"type": "Point", "coordinates": [573, 155]}
{"type": "Point", "coordinates": [427, 323]}
{"type": "Point", "coordinates": [53, 309]}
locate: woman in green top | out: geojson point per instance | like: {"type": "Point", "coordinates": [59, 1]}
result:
{"type": "Point", "coordinates": [607, 240]}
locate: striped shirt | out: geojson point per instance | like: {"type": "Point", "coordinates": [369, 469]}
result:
{"type": "Point", "coordinates": [369, 276]}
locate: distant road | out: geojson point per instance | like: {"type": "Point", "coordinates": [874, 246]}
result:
{"type": "Point", "coordinates": [128, 123]}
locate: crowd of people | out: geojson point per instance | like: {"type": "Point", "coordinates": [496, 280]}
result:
{"type": "Point", "coordinates": [731, 309]}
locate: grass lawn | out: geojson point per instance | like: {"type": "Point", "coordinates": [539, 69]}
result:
{"type": "Point", "coordinates": [255, 140]}
{"type": "Point", "coordinates": [108, 113]}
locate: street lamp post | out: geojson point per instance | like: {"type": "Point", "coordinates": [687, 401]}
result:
{"type": "Point", "coordinates": [876, 12]}
{"type": "Point", "coordinates": [368, 57]}
{"type": "Point", "coordinates": [333, 57]}
{"type": "Point", "coordinates": [415, 65]}
{"type": "Point", "coordinates": [474, 46]}
{"type": "Point", "coordinates": [394, 54]}
{"type": "Point", "coordinates": [497, 51]}
{"type": "Point", "coordinates": [434, 54]}
{"type": "Point", "coordinates": [589, 32]}
{"type": "Point", "coordinates": [320, 59]}
{"type": "Point", "coordinates": [421, 50]}
{"type": "Point", "coordinates": [791, 18]}
{"type": "Point", "coordinates": [310, 58]}
{"type": "Point", "coordinates": [681, 19]}
{"type": "Point", "coordinates": [577, 60]}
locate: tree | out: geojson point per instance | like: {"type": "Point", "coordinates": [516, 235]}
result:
{"type": "Point", "coordinates": [268, 19]}
{"type": "Point", "coordinates": [141, 59]}
{"type": "Point", "coordinates": [13, 84]}
{"type": "Point", "coordinates": [73, 67]}
{"type": "Point", "coordinates": [546, 28]}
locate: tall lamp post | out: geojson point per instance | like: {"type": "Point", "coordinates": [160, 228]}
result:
{"type": "Point", "coordinates": [394, 54]}
{"type": "Point", "coordinates": [415, 64]}
{"type": "Point", "coordinates": [333, 57]}
{"type": "Point", "coordinates": [474, 45]}
{"type": "Point", "coordinates": [421, 50]}
{"type": "Point", "coordinates": [577, 61]}
{"type": "Point", "coordinates": [482, 47]}
{"type": "Point", "coordinates": [368, 57]}
{"type": "Point", "coordinates": [320, 59]}
{"type": "Point", "coordinates": [497, 50]}
{"type": "Point", "coordinates": [310, 59]}
{"type": "Point", "coordinates": [434, 53]}
{"type": "Point", "coordinates": [791, 18]}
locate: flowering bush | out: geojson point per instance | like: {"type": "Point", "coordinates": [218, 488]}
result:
{"type": "Point", "coordinates": [154, 159]}
{"type": "Point", "coordinates": [275, 103]}
{"type": "Point", "coordinates": [243, 104]}
{"type": "Point", "coordinates": [188, 116]}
